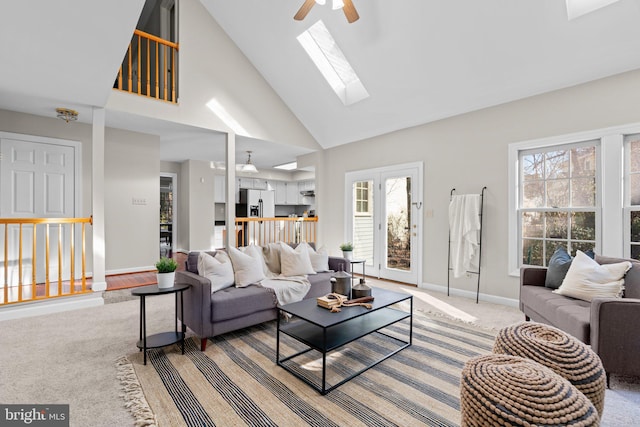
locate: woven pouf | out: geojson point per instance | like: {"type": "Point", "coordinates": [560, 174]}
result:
{"type": "Point", "coordinates": [559, 351]}
{"type": "Point", "coordinates": [498, 389]}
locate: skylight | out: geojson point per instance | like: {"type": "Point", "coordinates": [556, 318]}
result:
{"type": "Point", "coordinates": [331, 62]}
{"type": "Point", "coordinates": [287, 166]}
{"type": "Point", "coordinates": [576, 8]}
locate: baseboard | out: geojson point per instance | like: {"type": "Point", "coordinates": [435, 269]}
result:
{"type": "Point", "coordinates": [471, 295]}
{"type": "Point", "coordinates": [55, 305]}
{"type": "Point", "coordinates": [142, 269]}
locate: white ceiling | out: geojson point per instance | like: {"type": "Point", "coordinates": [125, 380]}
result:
{"type": "Point", "coordinates": [420, 60]}
{"type": "Point", "coordinates": [424, 60]}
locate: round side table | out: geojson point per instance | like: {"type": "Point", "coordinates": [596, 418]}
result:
{"type": "Point", "coordinates": [164, 338]}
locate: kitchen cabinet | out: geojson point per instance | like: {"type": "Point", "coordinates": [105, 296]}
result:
{"type": "Point", "coordinates": [305, 186]}
{"type": "Point", "coordinates": [292, 193]}
{"type": "Point", "coordinates": [280, 188]}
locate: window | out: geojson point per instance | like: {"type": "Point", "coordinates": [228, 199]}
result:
{"type": "Point", "coordinates": [632, 217]}
{"type": "Point", "coordinates": [362, 197]}
{"type": "Point", "coordinates": [558, 205]}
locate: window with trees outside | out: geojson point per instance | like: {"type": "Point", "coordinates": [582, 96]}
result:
{"type": "Point", "coordinates": [632, 145]}
{"type": "Point", "coordinates": [558, 200]}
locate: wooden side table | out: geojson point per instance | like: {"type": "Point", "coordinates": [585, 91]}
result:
{"type": "Point", "coordinates": [164, 338]}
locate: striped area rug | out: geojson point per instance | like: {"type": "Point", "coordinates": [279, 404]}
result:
{"type": "Point", "coordinates": [237, 382]}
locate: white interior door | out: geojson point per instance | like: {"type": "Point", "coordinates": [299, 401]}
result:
{"type": "Point", "coordinates": [384, 220]}
{"type": "Point", "coordinates": [37, 181]}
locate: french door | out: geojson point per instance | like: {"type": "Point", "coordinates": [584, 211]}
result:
{"type": "Point", "coordinates": [384, 220]}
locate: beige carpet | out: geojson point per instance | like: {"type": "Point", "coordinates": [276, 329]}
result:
{"type": "Point", "coordinates": [236, 382]}
{"type": "Point", "coordinates": [69, 358]}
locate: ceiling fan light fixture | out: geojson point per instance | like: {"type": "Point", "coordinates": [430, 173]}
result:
{"type": "Point", "coordinates": [321, 2]}
{"type": "Point", "coordinates": [338, 4]}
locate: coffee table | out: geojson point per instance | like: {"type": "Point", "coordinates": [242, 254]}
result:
{"type": "Point", "coordinates": [323, 331]}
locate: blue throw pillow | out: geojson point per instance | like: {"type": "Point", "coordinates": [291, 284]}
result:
{"type": "Point", "coordinates": [559, 265]}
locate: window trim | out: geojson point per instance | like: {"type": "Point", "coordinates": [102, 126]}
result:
{"type": "Point", "coordinates": [612, 190]}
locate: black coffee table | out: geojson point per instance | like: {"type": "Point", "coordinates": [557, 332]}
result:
{"type": "Point", "coordinates": [321, 330]}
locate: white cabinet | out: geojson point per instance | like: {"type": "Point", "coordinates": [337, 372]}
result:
{"type": "Point", "coordinates": [259, 184]}
{"type": "Point", "coordinates": [280, 188]}
{"type": "Point", "coordinates": [306, 186]}
{"type": "Point", "coordinates": [292, 193]}
{"type": "Point", "coordinates": [245, 182]}
{"type": "Point", "coordinates": [219, 188]}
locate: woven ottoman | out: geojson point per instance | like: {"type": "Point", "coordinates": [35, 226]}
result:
{"type": "Point", "coordinates": [504, 390]}
{"type": "Point", "coordinates": [558, 351]}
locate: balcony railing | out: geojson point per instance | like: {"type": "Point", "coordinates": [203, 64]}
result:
{"type": "Point", "coordinates": [150, 68]}
{"type": "Point", "coordinates": [261, 231]}
{"type": "Point", "coordinates": [42, 258]}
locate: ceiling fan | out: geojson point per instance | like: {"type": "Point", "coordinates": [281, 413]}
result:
{"type": "Point", "coordinates": [346, 6]}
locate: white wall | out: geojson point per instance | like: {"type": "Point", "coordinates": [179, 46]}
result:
{"type": "Point", "coordinates": [467, 152]}
{"type": "Point", "coordinates": [211, 65]}
{"type": "Point", "coordinates": [132, 171]}
{"type": "Point", "coordinates": [199, 208]}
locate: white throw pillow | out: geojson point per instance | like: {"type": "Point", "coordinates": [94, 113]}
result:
{"type": "Point", "coordinates": [271, 254]}
{"type": "Point", "coordinates": [319, 259]}
{"type": "Point", "coordinates": [295, 262]}
{"type": "Point", "coordinates": [217, 269]}
{"type": "Point", "coordinates": [586, 279]}
{"type": "Point", "coordinates": [246, 268]}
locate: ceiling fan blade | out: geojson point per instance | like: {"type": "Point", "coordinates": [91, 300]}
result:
{"type": "Point", "coordinates": [304, 10]}
{"type": "Point", "coordinates": [350, 11]}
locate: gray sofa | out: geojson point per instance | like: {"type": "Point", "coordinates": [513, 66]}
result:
{"type": "Point", "coordinates": [233, 308]}
{"type": "Point", "coordinates": [609, 325]}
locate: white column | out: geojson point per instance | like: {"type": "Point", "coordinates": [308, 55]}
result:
{"type": "Point", "coordinates": [99, 282]}
{"type": "Point", "coordinates": [230, 205]}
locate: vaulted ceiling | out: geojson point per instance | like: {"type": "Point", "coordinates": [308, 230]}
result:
{"type": "Point", "coordinates": [420, 60]}
{"type": "Point", "coordinates": [424, 60]}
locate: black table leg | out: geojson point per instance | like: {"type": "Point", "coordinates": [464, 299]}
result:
{"type": "Point", "coordinates": [144, 327]}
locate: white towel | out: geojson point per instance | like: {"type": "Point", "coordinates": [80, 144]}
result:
{"type": "Point", "coordinates": [464, 226]}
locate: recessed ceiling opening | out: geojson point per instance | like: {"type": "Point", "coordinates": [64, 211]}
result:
{"type": "Point", "coordinates": [331, 62]}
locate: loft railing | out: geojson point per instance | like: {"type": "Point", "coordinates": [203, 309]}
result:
{"type": "Point", "coordinates": [261, 231]}
{"type": "Point", "coordinates": [42, 258]}
{"type": "Point", "coordinates": [150, 68]}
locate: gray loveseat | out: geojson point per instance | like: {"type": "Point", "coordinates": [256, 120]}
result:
{"type": "Point", "coordinates": [609, 325]}
{"type": "Point", "coordinates": [233, 308]}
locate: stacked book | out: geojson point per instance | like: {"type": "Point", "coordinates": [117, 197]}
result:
{"type": "Point", "coordinates": [328, 301]}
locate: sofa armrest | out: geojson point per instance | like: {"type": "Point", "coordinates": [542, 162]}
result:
{"type": "Point", "coordinates": [197, 302]}
{"type": "Point", "coordinates": [614, 336]}
{"type": "Point", "coordinates": [337, 263]}
{"type": "Point", "coordinates": [533, 276]}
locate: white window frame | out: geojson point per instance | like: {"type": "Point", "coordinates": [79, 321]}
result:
{"type": "Point", "coordinates": [611, 239]}
{"type": "Point", "coordinates": [568, 209]}
{"type": "Point", "coordinates": [369, 211]}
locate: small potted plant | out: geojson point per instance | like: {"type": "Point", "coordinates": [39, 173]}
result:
{"type": "Point", "coordinates": [166, 272]}
{"type": "Point", "coordinates": [347, 250]}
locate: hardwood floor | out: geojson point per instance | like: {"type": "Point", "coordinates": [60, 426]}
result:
{"type": "Point", "coordinates": [132, 280]}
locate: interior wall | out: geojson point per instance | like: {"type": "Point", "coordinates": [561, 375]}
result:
{"type": "Point", "coordinates": [132, 199]}
{"type": "Point", "coordinates": [211, 65]}
{"type": "Point", "coordinates": [200, 206]}
{"type": "Point", "coordinates": [468, 152]}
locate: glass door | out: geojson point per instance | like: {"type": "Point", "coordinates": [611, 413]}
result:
{"type": "Point", "coordinates": [385, 221]}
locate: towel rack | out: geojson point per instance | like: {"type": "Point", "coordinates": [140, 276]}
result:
{"type": "Point", "coordinates": [479, 247]}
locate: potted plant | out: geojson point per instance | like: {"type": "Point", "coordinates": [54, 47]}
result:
{"type": "Point", "coordinates": [166, 272]}
{"type": "Point", "coordinates": [347, 250]}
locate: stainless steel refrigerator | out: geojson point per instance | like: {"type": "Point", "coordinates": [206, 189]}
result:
{"type": "Point", "coordinates": [256, 204]}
